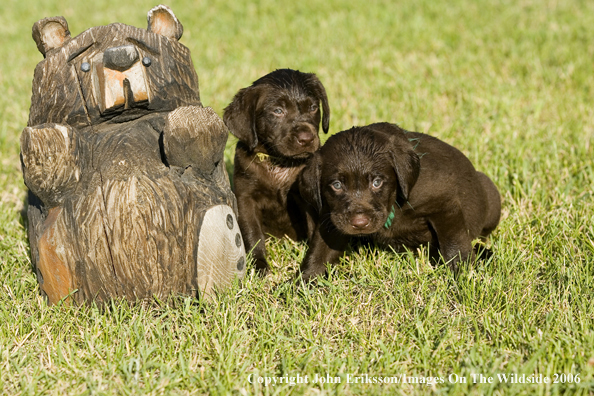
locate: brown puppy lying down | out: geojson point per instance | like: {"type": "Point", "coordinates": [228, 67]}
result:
{"type": "Point", "coordinates": [398, 188]}
{"type": "Point", "coordinates": [276, 120]}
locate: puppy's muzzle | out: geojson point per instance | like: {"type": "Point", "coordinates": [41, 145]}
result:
{"type": "Point", "coordinates": [305, 134]}
{"type": "Point", "coordinates": [304, 138]}
{"type": "Point", "coordinates": [360, 222]}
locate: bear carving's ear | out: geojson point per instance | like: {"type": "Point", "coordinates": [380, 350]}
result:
{"type": "Point", "coordinates": [50, 33]}
{"type": "Point", "coordinates": [162, 20]}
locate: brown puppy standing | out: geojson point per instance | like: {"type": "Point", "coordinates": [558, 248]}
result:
{"type": "Point", "coordinates": [277, 121]}
{"type": "Point", "coordinates": [398, 188]}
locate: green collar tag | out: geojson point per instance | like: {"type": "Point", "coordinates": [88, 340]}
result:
{"type": "Point", "coordinates": [390, 218]}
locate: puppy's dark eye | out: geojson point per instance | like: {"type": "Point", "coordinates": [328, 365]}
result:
{"type": "Point", "coordinates": [313, 108]}
{"type": "Point", "coordinates": [336, 186]}
{"type": "Point", "coordinates": [377, 182]}
{"type": "Point", "coordinates": [278, 111]}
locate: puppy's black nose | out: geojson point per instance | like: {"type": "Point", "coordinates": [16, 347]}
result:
{"type": "Point", "coordinates": [360, 221]}
{"type": "Point", "coordinates": [305, 138]}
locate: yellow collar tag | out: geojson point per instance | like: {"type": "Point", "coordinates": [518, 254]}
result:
{"type": "Point", "coordinates": [262, 157]}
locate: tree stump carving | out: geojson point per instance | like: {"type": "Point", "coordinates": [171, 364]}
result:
{"type": "Point", "coordinates": [128, 192]}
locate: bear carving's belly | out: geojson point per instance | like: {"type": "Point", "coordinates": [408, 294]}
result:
{"type": "Point", "coordinates": [132, 226]}
{"type": "Point", "coordinates": [123, 150]}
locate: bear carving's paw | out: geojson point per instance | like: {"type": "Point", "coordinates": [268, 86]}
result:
{"type": "Point", "coordinates": [194, 136]}
{"type": "Point", "coordinates": [221, 252]}
{"type": "Point", "coordinates": [49, 154]}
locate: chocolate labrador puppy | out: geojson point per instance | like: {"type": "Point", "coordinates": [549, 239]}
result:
{"type": "Point", "coordinates": [276, 120]}
{"type": "Point", "coordinates": [399, 189]}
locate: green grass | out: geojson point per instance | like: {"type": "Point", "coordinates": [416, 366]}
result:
{"type": "Point", "coordinates": [510, 83]}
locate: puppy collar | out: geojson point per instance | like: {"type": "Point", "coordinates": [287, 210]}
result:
{"type": "Point", "coordinates": [390, 218]}
{"type": "Point", "coordinates": [271, 160]}
{"type": "Point", "coordinates": [392, 213]}
{"type": "Point", "coordinates": [262, 157]}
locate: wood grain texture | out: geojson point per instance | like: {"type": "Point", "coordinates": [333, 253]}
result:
{"type": "Point", "coordinates": [54, 259]}
{"type": "Point", "coordinates": [129, 195]}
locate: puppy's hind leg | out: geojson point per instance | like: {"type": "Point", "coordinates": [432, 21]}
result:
{"type": "Point", "coordinates": [493, 212]}
{"type": "Point", "coordinates": [453, 238]}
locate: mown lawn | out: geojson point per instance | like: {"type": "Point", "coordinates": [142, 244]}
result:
{"type": "Point", "coordinates": [510, 83]}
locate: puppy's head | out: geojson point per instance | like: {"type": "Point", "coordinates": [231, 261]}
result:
{"type": "Point", "coordinates": [359, 175]}
{"type": "Point", "coordinates": [280, 111]}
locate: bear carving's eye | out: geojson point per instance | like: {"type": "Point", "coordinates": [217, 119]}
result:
{"type": "Point", "coordinates": [146, 61]}
{"type": "Point", "coordinates": [85, 66]}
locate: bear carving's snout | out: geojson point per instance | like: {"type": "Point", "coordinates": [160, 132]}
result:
{"type": "Point", "coordinates": [124, 80]}
{"type": "Point", "coordinates": [120, 58]}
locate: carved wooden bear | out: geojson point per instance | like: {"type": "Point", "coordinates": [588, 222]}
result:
{"type": "Point", "coordinates": [128, 192]}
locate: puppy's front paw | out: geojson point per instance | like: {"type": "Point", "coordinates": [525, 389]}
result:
{"type": "Point", "coordinates": [262, 267]}
{"type": "Point", "coordinates": [454, 267]}
{"type": "Point", "coordinates": [309, 275]}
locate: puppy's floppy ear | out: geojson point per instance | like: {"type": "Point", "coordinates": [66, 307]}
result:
{"type": "Point", "coordinates": [309, 182]}
{"type": "Point", "coordinates": [407, 166]}
{"type": "Point", "coordinates": [240, 115]}
{"type": "Point", "coordinates": [405, 161]}
{"type": "Point", "coordinates": [320, 92]}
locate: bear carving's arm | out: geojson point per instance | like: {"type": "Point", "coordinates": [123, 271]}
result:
{"type": "Point", "coordinates": [51, 169]}
{"type": "Point", "coordinates": [51, 164]}
{"type": "Point", "coordinates": [194, 136]}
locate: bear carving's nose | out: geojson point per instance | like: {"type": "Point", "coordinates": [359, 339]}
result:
{"type": "Point", "coordinates": [120, 58]}
{"type": "Point", "coordinates": [360, 221]}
